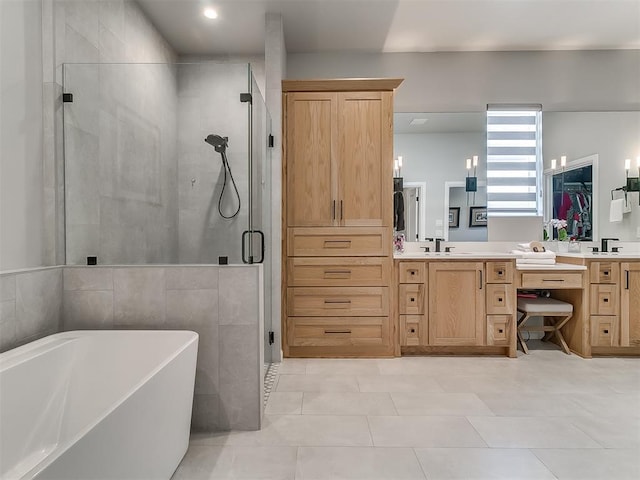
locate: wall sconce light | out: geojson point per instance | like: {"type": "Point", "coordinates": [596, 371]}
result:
{"type": "Point", "coordinates": [397, 166]}
{"type": "Point", "coordinates": [633, 183]}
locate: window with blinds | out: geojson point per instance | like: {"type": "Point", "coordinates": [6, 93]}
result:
{"type": "Point", "coordinates": [514, 160]}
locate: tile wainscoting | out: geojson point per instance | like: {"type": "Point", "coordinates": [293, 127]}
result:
{"type": "Point", "coordinates": [222, 304]}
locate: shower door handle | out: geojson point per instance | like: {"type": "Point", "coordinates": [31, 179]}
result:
{"type": "Point", "coordinates": [250, 259]}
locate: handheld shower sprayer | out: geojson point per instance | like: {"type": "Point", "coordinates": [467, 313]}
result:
{"type": "Point", "coordinates": [218, 142]}
{"type": "Point", "coordinates": [220, 145]}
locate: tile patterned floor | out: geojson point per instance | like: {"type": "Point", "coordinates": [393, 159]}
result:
{"type": "Point", "coordinates": [542, 416]}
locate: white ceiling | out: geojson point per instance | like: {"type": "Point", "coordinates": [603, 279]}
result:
{"type": "Point", "coordinates": [399, 25]}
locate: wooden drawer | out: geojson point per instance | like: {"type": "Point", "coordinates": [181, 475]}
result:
{"type": "Point", "coordinates": [337, 331]}
{"type": "Point", "coordinates": [500, 299]}
{"type": "Point", "coordinates": [499, 272]}
{"type": "Point", "coordinates": [339, 242]}
{"type": "Point", "coordinates": [604, 272]}
{"type": "Point", "coordinates": [412, 272]}
{"type": "Point", "coordinates": [499, 329]}
{"type": "Point", "coordinates": [552, 280]}
{"type": "Point", "coordinates": [413, 330]}
{"type": "Point", "coordinates": [327, 272]}
{"type": "Point", "coordinates": [604, 300]}
{"type": "Point", "coordinates": [337, 301]}
{"type": "Point", "coordinates": [411, 299]}
{"type": "Point", "coordinates": [605, 331]}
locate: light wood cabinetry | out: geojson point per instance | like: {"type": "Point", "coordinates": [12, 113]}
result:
{"type": "Point", "coordinates": [630, 299]}
{"type": "Point", "coordinates": [456, 303]}
{"type": "Point", "coordinates": [456, 306]}
{"type": "Point", "coordinates": [337, 204]}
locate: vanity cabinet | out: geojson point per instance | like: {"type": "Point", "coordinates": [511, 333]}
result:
{"type": "Point", "coordinates": [456, 303]}
{"type": "Point", "coordinates": [456, 306]}
{"type": "Point", "coordinates": [338, 218]}
{"type": "Point", "coordinates": [630, 299]}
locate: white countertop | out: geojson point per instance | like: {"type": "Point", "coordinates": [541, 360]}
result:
{"type": "Point", "coordinates": [451, 255]}
{"type": "Point", "coordinates": [557, 266]}
{"type": "Point", "coordinates": [602, 255]}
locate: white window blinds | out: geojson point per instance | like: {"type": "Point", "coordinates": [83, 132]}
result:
{"type": "Point", "coordinates": [514, 159]}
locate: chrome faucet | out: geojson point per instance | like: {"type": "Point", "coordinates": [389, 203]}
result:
{"type": "Point", "coordinates": [438, 242]}
{"type": "Point", "coordinates": [604, 247]}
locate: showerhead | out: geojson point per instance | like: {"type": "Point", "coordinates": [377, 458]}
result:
{"type": "Point", "coordinates": [217, 142]}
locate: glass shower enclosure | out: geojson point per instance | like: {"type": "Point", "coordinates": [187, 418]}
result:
{"type": "Point", "coordinates": [142, 185]}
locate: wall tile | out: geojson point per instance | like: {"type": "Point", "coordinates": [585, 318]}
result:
{"type": "Point", "coordinates": [240, 406]}
{"type": "Point", "coordinates": [88, 278]}
{"type": "Point", "coordinates": [238, 353]}
{"type": "Point", "coordinates": [191, 309]}
{"type": "Point", "coordinates": [205, 413]}
{"type": "Point", "coordinates": [139, 297]}
{"type": "Point", "coordinates": [207, 368]}
{"type": "Point", "coordinates": [77, 49]}
{"type": "Point", "coordinates": [82, 16]}
{"type": "Point", "coordinates": [38, 303]}
{"type": "Point", "coordinates": [111, 16]}
{"type": "Point", "coordinates": [238, 298]}
{"type": "Point", "coordinates": [7, 287]}
{"type": "Point", "coordinates": [192, 278]}
{"type": "Point", "coordinates": [7, 324]}
{"type": "Point", "coordinates": [87, 310]}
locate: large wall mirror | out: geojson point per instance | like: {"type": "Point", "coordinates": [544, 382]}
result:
{"type": "Point", "coordinates": [434, 148]}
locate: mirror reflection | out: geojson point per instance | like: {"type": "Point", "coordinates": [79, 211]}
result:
{"type": "Point", "coordinates": [435, 148]}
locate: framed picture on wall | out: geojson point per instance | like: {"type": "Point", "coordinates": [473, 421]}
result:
{"type": "Point", "coordinates": [454, 217]}
{"type": "Point", "coordinates": [477, 216]}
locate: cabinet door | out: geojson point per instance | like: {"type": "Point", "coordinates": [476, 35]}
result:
{"type": "Point", "coordinates": [365, 153]}
{"type": "Point", "coordinates": [630, 319]}
{"type": "Point", "coordinates": [456, 303]}
{"type": "Point", "coordinates": [311, 120]}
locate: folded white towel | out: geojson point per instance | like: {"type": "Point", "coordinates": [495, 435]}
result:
{"type": "Point", "coordinates": [535, 261]}
{"type": "Point", "coordinates": [535, 255]}
{"type": "Point", "coordinates": [616, 210]}
{"type": "Point", "coordinates": [526, 247]}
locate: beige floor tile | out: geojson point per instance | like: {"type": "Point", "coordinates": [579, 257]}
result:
{"type": "Point", "coordinates": [611, 405]}
{"type": "Point", "coordinates": [423, 432]}
{"type": "Point", "coordinates": [231, 462]}
{"type": "Point", "coordinates": [300, 430]}
{"type": "Point", "coordinates": [531, 432]}
{"type": "Point", "coordinates": [316, 383]}
{"type": "Point", "coordinates": [488, 383]}
{"type": "Point", "coordinates": [398, 383]}
{"type": "Point", "coordinates": [368, 463]}
{"type": "Point", "coordinates": [481, 464]}
{"type": "Point", "coordinates": [611, 432]}
{"type": "Point", "coordinates": [347, 403]}
{"type": "Point", "coordinates": [338, 366]}
{"type": "Point", "coordinates": [297, 366]}
{"type": "Point", "coordinates": [284, 403]}
{"type": "Point", "coordinates": [532, 405]}
{"type": "Point", "coordinates": [439, 404]}
{"type": "Point", "coordinates": [603, 464]}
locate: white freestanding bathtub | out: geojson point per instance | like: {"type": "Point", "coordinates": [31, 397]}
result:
{"type": "Point", "coordinates": [97, 405]}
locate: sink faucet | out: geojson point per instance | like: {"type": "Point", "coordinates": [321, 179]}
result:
{"type": "Point", "coordinates": [605, 243]}
{"type": "Point", "coordinates": [438, 242]}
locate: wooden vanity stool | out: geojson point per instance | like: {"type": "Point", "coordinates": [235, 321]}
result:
{"type": "Point", "coordinates": [557, 311]}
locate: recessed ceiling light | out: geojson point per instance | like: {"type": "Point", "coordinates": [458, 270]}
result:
{"type": "Point", "coordinates": [210, 13]}
{"type": "Point", "coordinates": [418, 121]}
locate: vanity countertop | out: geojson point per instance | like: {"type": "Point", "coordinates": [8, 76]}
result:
{"type": "Point", "coordinates": [602, 255]}
{"type": "Point", "coordinates": [452, 256]}
{"type": "Point", "coordinates": [557, 266]}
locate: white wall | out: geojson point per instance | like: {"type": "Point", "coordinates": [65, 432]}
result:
{"type": "Point", "coordinates": [21, 120]}
{"type": "Point", "coordinates": [614, 136]}
{"type": "Point", "coordinates": [467, 81]}
{"type": "Point", "coordinates": [435, 159]}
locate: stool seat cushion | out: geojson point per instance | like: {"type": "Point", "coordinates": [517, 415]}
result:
{"type": "Point", "coordinates": [543, 305]}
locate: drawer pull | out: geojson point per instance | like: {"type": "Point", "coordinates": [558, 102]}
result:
{"type": "Point", "coordinates": [606, 272]}
{"type": "Point", "coordinates": [337, 243]}
{"type": "Point", "coordinates": [500, 272]}
{"type": "Point", "coordinates": [330, 302]}
{"type": "Point", "coordinates": [605, 332]}
{"type": "Point", "coordinates": [337, 272]}
{"type": "Point", "coordinates": [500, 330]}
{"type": "Point", "coordinates": [552, 280]}
{"type": "Point", "coordinates": [337, 332]}
{"type": "Point", "coordinates": [605, 300]}
{"type": "Point", "coordinates": [500, 299]}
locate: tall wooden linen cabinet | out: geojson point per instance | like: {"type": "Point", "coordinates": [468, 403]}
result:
{"type": "Point", "coordinates": [337, 217]}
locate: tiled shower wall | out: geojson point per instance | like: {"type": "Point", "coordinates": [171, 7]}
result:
{"type": "Point", "coordinates": [92, 32]}
{"type": "Point", "coordinates": [222, 304]}
{"type": "Point", "coordinates": [30, 306]}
